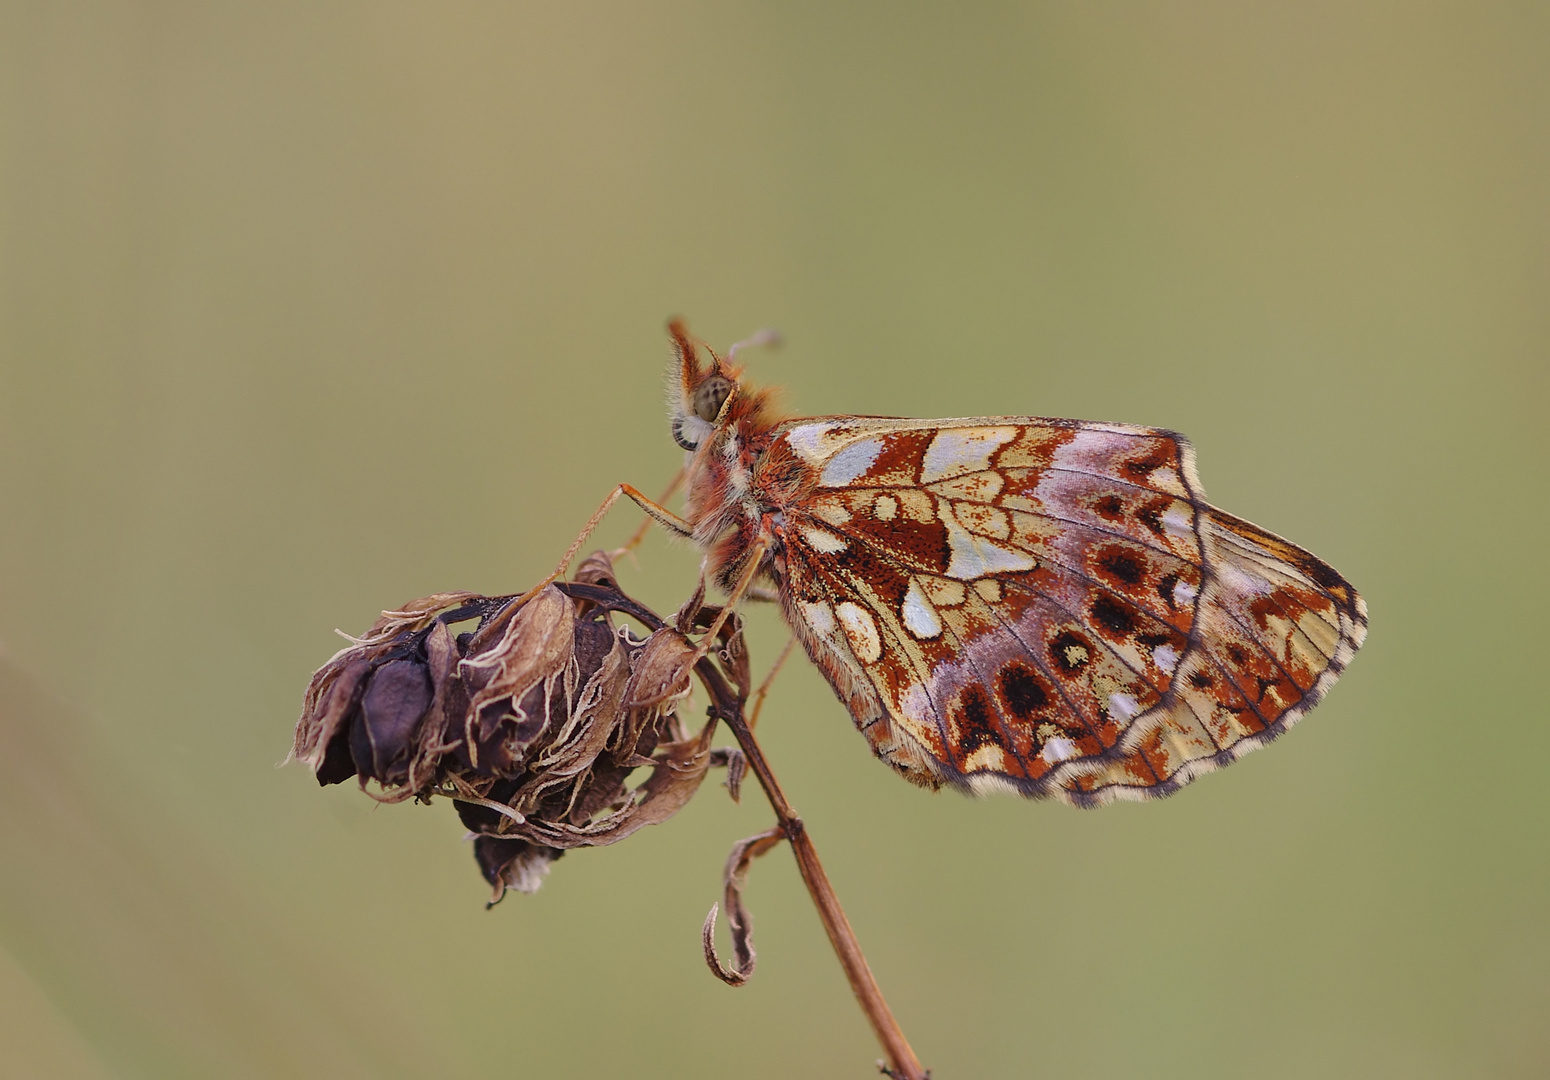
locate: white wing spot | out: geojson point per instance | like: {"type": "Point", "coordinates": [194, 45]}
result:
{"type": "Point", "coordinates": [1123, 707]}
{"type": "Point", "coordinates": [962, 450]}
{"type": "Point", "coordinates": [1058, 749]}
{"type": "Point", "coordinates": [1166, 658]}
{"type": "Point", "coordinates": [1177, 521]}
{"type": "Point", "coordinates": [823, 540]}
{"type": "Point", "coordinates": [831, 511]}
{"type": "Point", "coordinates": [860, 631]}
{"type": "Point", "coordinates": [1184, 594]}
{"type": "Point", "coordinates": [851, 462]}
{"type": "Point", "coordinates": [810, 441]}
{"type": "Point", "coordinates": [1239, 581]}
{"type": "Point", "coordinates": [819, 617]}
{"type": "Point", "coordinates": [975, 557]}
{"type": "Point", "coordinates": [986, 758]}
{"type": "Point", "coordinates": [920, 617]}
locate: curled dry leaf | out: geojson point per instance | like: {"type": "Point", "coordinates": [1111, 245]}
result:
{"type": "Point", "coordinates": [533, 720]}
{"type": "Point", "coordinates": [736, 764]}
{"type": "Point", "coordinates": [739, 921]}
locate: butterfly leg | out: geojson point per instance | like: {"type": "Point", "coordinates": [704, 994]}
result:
{"type": "Point", "coordinates": [640, 534]}
{"type": "Point", "coordinates": [661, 515]}
{"type": "Point", "coordinates": [745, 579]}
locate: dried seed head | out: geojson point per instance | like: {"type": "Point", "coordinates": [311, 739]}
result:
{"type": "Point", "coordinates": [532, 721]}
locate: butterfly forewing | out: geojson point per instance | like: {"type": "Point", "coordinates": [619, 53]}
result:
{"type": "Point", "coordinates": [1048, 605]}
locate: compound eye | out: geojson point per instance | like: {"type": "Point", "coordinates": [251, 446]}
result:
{"type": "Point", "coordinates": [709, 396]}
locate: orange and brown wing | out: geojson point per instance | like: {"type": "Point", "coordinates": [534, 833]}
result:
{"type": "Point", "coordinates": [1012, 602]}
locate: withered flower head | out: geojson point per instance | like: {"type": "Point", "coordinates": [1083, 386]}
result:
{"type": "Point", "coordinates": [532, 720]}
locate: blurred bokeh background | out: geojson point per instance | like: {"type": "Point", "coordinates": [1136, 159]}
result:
{"type": "Point", "coordinates": [310, 308]}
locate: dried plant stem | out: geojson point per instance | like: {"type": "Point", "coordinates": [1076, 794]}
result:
{"type": "Point", "coordinates": [901, 1059]}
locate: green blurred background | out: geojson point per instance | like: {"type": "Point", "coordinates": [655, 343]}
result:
{"type": "Point", "coordinates": [310, 308]}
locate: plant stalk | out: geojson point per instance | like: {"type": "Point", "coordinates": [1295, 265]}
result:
{"type": "Point", "coordinates": [901, 1059]}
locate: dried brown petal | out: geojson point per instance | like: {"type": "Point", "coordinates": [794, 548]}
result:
{"type": "Point", "coordinates": [661, 674]}
{"type": "Point", "coordinates": [392, 707]}
{"type": "Point", "coordinates": [334, 693]}
{"type": "Point", "coordinates": [679, 767]}
{"type": "Point", "coordinates": [659, 679]}
{"type": "Point", "coordinates": [688, 614]}
{"type": "Point", "coordinates": [415, 615]}
{"type": "Point", "coordinates": [323, 732]}
{"type": "Point", "coordinates": [739, 921]}
{"type": "Point", "coordinates": [532, 651]}
{"type": "Point", "coordinates": [591, 720]}
{"type": "Point", "coordinates": [734, 656]}
{"type": "Point", "coordinates": [449, 702]}
{"type": "Point", "coordinates": [596, 569]}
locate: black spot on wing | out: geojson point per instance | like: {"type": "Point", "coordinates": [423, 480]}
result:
{"type": "Point", "coordinates": [975, 721]}
{"type": "Point", "coordinates": [1023, 691]}
{"type": "Point", "coordinates": [1122, 565]}
{"type": "Point", "coordinates": [1113, 616]}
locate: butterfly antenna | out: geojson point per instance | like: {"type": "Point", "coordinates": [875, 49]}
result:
{"type": "Point", "coordinates": [766, 338]}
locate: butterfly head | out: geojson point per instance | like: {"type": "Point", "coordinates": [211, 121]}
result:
{"type": "Point", "coordinates": [705, 390]}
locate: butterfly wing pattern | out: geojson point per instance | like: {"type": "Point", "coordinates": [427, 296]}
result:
{"type": "Point", "coordinates": [1043, 606]}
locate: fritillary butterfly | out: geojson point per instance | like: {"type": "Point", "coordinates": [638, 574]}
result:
{"type": "Point", "coordinates": [1036, 605]}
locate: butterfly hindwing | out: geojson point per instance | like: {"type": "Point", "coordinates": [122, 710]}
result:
{"type": "Point", "coordinates": [1276, 627]}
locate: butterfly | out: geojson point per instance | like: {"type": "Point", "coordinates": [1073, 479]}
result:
{"type": "Point", "coordinates": [1043, 606]}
